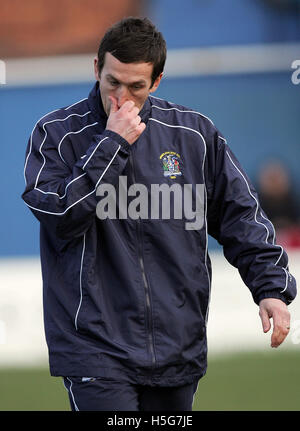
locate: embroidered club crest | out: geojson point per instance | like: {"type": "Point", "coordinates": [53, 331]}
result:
{"type": "Point", "coordinates": [171, 164]}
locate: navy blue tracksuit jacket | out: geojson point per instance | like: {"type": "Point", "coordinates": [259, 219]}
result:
{"type": "Point", "coordinates": [128, 298]}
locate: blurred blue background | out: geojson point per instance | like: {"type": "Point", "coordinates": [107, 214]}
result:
{"type": "Point", "coordinates": [258, 113]}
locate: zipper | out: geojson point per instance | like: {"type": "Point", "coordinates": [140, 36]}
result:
{"type": "Point", "coordinates": [145, 281]}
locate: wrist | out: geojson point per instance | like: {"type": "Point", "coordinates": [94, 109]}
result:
{"type": "Point", "coordinates": [118, 138]}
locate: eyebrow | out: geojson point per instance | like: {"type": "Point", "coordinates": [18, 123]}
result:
{"type": "Point", "coordinates": [141, 81]}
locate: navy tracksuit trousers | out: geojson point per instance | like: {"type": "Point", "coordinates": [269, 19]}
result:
{"type": "Point", "coordinates": [93, 394]}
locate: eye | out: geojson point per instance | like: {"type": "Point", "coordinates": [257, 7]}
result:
{"type": "Point", "coordinates": [137, 86]}
{"type": "Point", "coordinates": [113, 82]}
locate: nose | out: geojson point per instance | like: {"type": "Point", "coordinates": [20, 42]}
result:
{"type": "Point", "coordinates": [122, 95]}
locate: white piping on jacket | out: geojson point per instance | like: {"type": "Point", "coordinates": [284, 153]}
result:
{"type": "Point", "coordinates": [71, 392]}
{"type": "Point", "coordinates": [45, 137]}
{"type": "Point", "coordinates": [30, 148]}
{"type": "Point", "coordinates": [257, 206]}
{"type": "Point", "coordinates": [95, 149]}
{"type": "Point", "coordinates": [72, 133]}
{"type": "Point", "coordinates": [64, 195]}
{"type": "Point", "coordinates": [79, 200]}
{"type": "Point", "coordinates": [181, 110]}
{"type": "Point", "coordinates": [76, 103]}
{"type": "Point", "coordinates": [286, 280]}
{"type": "Point", "coordinates": [253, 197]}
{"type": "Point", "coordinates": [74, 179]}
{"type": "Point", "coordinates": [49, 113]}
{"type": "Point", "coordinates": [80, 282]}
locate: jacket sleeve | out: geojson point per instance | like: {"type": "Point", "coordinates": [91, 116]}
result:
{"type": "Point", "coordinates": [61, 197]}
{"type": "Point", "coordinates": [237, 221]}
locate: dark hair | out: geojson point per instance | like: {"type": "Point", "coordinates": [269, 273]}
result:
{"type": "Point", "coordinates": [133, 40]}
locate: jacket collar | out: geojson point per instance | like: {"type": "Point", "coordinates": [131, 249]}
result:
{"type": "Point", "coordinates": [96, 106]}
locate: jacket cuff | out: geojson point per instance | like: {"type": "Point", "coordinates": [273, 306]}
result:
{"type": "Point", "coordinates": [271, 294]}
{"type": "Point", "coordinates": [118, 138]}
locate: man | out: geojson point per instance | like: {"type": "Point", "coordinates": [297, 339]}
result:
{"type": "Point", "coordinates": [126, 298]}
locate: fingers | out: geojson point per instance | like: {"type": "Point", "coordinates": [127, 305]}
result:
{"type": "Point", "coordinates": [125, 120]}
{"type": "Point", "coordinates": [139, 129]}
{"type": "Point", "coordinates": [281, 326]}
{"type": "Point", "coordinates": [136, 121]}
{"type": "Point", "coordinates": [113, 104]}
{"type": "Point", "coordinates": [277, 310]}
{"type": "Point", "coordinates": [128, 106]}
{"type": "Point", "coordinates": [265, 320]}
{"type": "Point", "coordinates": [278, 336]}
{"type": "Point", "coordinates": [136, 125]}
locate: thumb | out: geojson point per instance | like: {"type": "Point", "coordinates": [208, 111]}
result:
{"type": "Point", "coordinates": [113, 104]}
{"type": "Point", "coordinates": [265, 320]}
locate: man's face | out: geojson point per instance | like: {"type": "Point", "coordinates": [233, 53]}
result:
{"type": "Point", "coordinates": [124, 81]}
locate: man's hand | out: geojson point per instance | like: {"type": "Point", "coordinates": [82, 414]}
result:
{"type": "Point", "coordinates": [277, 309]}
{"type": "Point", "coordinates": [125, 121]}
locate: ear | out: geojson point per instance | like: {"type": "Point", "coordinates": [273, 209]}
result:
{"type": "Point", "coordinates": [156, 83]}
{"type": "Point", "coordinates": [96, 69]}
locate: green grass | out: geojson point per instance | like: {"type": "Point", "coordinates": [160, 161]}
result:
{"type": "Point", "coordinates": [31, 389]}
{"type": "Point", "coordinates": [248, 381]}
{"type": "Point", "coordinates": [251, 381]}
